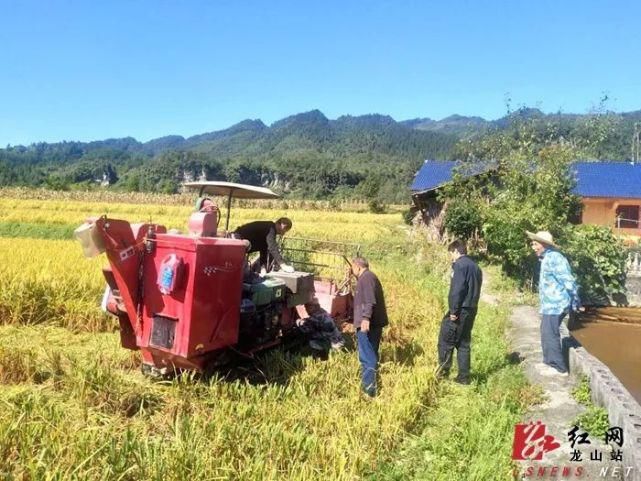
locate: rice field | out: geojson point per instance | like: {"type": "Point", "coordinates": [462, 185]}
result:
{"type": "Point", "coordinates": [74, 405]}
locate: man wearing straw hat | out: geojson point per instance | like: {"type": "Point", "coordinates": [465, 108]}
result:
{"type": "Point", "coordinates": [558, 294]}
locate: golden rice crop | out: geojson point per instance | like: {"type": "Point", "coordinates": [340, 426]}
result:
{"type": "Point", "coordinates": [50, 281]}
{"type": "Point", "coordinates": [80, 410]}
{"type": "Point", "coordinates": [340, 226]}
{"type": "Point", "coordinates": [96, 420]}
{"type": "Point", "coordinates": [186, 199]}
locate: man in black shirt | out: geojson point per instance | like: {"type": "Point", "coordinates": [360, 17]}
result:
{"type": "Point", "coordinates": [463, 300]}
{"type": "Point", "coordinates": [370, 316]}
{"type": "Point", "coordinates": [262, 237]}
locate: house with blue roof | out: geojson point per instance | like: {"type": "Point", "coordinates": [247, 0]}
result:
{"type": "Point", "coordinates": [610, 191]}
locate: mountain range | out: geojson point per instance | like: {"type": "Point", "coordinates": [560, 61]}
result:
{"type": "Point", "coordinates": [305, 155]}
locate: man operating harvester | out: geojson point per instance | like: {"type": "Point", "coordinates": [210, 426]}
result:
{"type": "Point", "coordinates": [463, 300]}
{"type": "Point", "coordinates": [370, 316]}
{"type": "Point", "coordinates": [262, 237]}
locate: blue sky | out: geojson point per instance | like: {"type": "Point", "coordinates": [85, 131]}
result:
{"type": "Point", "coordinates": [85, 70]}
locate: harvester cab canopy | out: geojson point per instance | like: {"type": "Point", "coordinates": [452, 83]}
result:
{"type": "Point", "coordinates": [230, 190]}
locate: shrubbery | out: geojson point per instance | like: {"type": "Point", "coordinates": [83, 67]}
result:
{"type": "Point", "coordinates": [598, 259]}
{"type": "Point", "coordinates": [375, 206]}
{"type": "Point", "coordinates": [409, 214]}
{"type": "Point", "coordinates": [462, 218]}
{"type": "Point", "coordinates": [530, 187]}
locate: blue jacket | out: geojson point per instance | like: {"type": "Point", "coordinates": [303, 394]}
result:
{"type": "Point", "coordinates": [558, 291]}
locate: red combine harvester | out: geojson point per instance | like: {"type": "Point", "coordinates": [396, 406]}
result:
{"type": "Point", "coordinates": [185, 301]}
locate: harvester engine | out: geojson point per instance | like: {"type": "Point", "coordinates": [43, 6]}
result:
{"type": "Point", "coordinates": [261, 310]}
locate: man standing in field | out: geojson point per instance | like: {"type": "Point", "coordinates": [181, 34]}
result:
{"type": "Point", "coordinates": [463, 300]}
{"type": "Point", "coordinates": [558, 293]}
{"type": "Point", "coordinates": [370, 316]}
{"type": "Point", "coordinates": [262, 237]}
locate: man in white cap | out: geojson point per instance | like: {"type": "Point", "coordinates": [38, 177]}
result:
{"type": "Point", "coordinates": [558, 294]}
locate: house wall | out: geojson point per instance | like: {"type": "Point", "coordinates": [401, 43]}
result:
{"type": "Point", "coordinates": [432, 212]}
{"type": "Point", "coordinates": [603, 211]}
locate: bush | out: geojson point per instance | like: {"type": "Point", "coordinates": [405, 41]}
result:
{"type": "Point", "coordinates": [595, 419]}
{"type": "Point", "coordinates": [598, 260]}
{"type": "Point", "coordinates": [525, 191]}
{"type": "Point", "coordinates": [462, 218]}
{"type": "Point", "coordinates": [582, 392]}
{"type": "Point", "coordinates": [504, 234]}
{"type": "Point", "coordinates": [376, 206]}
{"type": "Point", "coordinates": [409, 214]}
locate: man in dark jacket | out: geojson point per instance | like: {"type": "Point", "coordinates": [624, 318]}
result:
{"type": "Point", "coordinates": [262, 237]}
{"type": "Point", "coordinates": [463, 300]}
{"type": "Point", "coordinates": [370, 316]}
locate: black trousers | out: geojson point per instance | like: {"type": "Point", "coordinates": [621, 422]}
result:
{"type": "Point", "coordinates": [456, 335]}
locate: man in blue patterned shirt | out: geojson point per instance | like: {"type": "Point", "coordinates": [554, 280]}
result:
{"type": "Point", "coordinates": [558, 295]}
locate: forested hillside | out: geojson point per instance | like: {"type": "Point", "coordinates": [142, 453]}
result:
{"type": "Point", "coordinates": [305, 155]}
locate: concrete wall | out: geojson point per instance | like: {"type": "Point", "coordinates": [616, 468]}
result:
{"type": "Point", "coordinates": [623, 409]}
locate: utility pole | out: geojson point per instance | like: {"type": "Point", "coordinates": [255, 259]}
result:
{"type": "Point", "coordinates": [636, 143]}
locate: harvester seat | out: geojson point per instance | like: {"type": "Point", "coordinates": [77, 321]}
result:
{"type": "Point", "coordinates": [204, 222]}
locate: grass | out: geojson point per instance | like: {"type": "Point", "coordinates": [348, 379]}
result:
{"type": "Point", "coordinates": [74, 406]}
{"type": "Point", "coordinates": [467, 433]}
{"type": "Point", "coordinates": [595, 419]}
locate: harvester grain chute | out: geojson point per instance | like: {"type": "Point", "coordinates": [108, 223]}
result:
{"type": "Point", "coordinates": [186, 301]}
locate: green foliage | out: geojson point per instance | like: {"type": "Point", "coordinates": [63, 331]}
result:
{"type": "Point", "coordinates": [594, 421]}
{"type": "Point", "coordinates": [504, 234]}
{"type": "Point", "coordinates": [529, 190]}
{"type": "Point", "coordinates": [532, 190]}
{"type": "Point", "coordinates": [582, 392]}
{"type": "Point", "coordinates": [36, 230]}
{"type": "Point", "coordinates": [408, 215]}
{"type": "Point", "coordinates": [57, 182]}
{"type": "Point", "coordinates": [310, 156]}
{"type": "Point", "coordinates": [375, 206]}
{"type": "Point", "coordinates": [463, 218]}
{"type": "Point", "coordinates": [598, 260]}
{"type": "Point", "coordinates": [304, 156]}
{"type": "Point", "coordinates": [599, 135]}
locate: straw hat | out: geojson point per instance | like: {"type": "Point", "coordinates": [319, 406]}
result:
{"type": "Point", "coordinates": [543, 237]}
